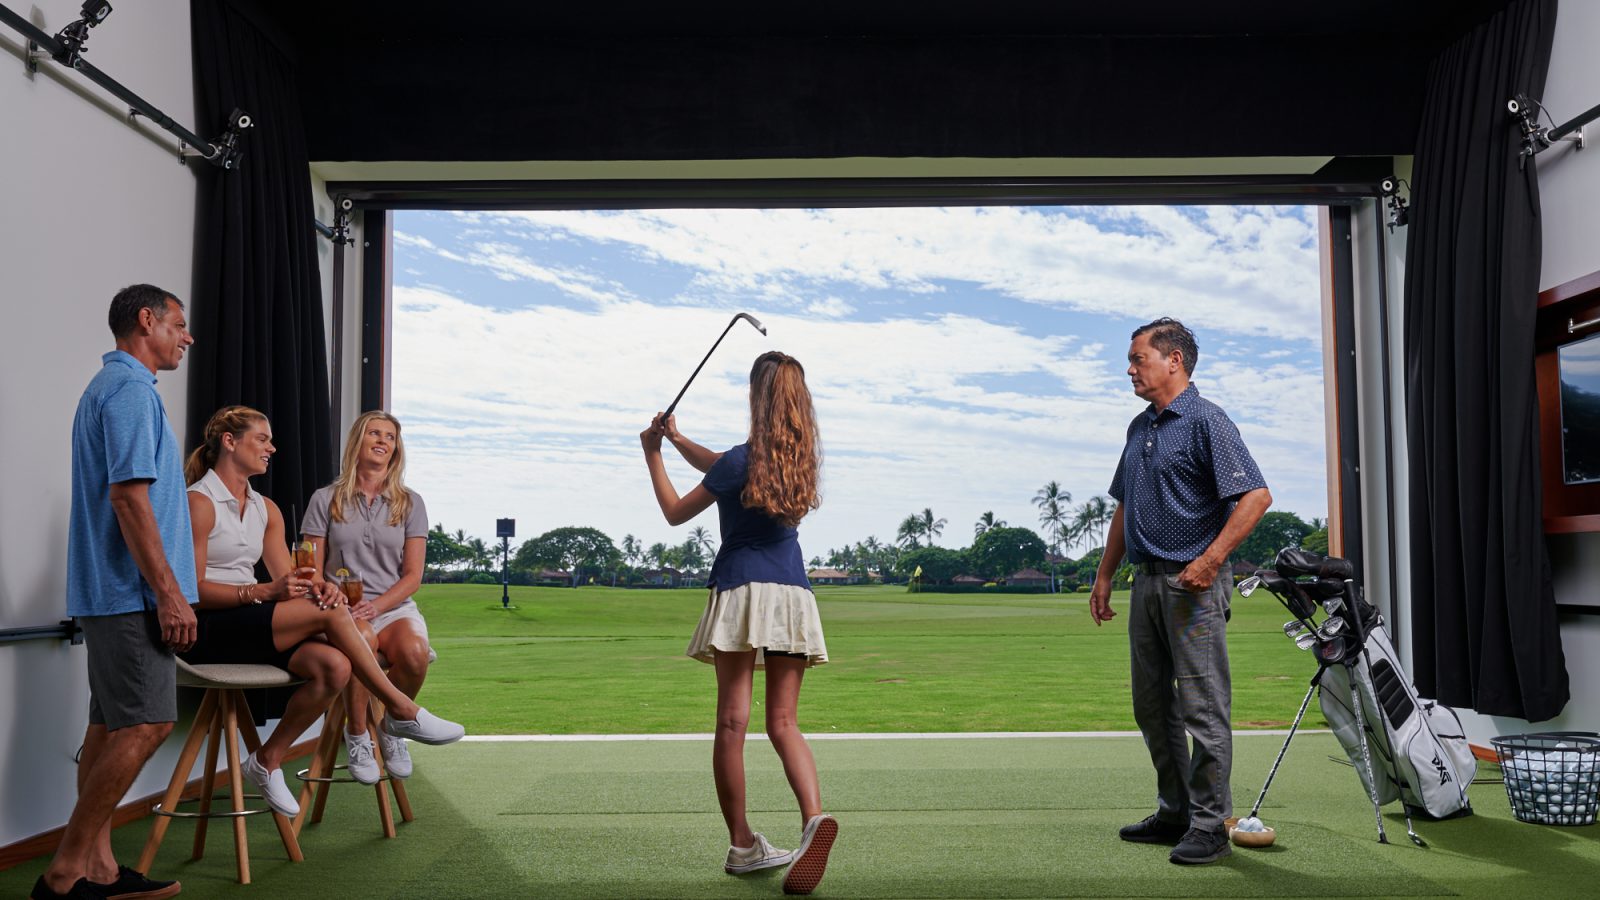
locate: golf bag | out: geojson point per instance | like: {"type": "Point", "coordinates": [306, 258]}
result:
{"type": "Point", "coordinates": [1419, 749]}
{"type": "Point", "coordinates": [1403, 747]}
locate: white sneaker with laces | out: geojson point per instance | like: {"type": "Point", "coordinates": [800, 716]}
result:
{"type": "Point", "coordinates": [426, 727]}
{"type": "Point", "coordinates": [272, 787]}
{"type": "Point", "coordinates": [396, 758]}
{"type": "Point", "coordinates": [760, 855]}
{"type": "Point", "coordinates": [362, 764]}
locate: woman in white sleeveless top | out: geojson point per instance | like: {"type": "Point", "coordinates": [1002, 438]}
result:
{"type": "Point", "coordinates": [292, 622]}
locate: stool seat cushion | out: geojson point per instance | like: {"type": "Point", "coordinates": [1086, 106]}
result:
{"type": "Point", "coordinates": [233, 675]}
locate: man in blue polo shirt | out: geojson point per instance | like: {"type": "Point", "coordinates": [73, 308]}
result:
{"type": "Point", "coordinates": [1188, 493]}
{"type": "Point", "coordinates": [130, 583]}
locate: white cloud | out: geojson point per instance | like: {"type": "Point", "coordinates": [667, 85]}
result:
{"type": "Point", "coordinates": [533, 413]}
{"type": "Point", "coordinates": [1250, 270]}
{"type": "Point", "coordinates": [831, 307]}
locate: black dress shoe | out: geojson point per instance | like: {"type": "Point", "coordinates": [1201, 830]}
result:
{"type": "Point", "coordinates": [131, 884]}
{"type": "Point", "coordinates": [1153, 831]}
{"type": "Point", "coordinates": [82, 889]}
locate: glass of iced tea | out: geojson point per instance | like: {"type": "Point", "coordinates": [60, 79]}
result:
{"type": "Point", "coordinates": [351, 585]}
{"type": "Point", "coordinates": [305, 555]}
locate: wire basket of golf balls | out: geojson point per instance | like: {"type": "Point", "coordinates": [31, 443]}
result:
{"type": "Point", "coordinates": [1552, 778]}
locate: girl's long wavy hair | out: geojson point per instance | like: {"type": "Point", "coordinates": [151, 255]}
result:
{"type": "Point", "coordinates": [394, 480]}
{"type": "Point", "coordinates": [785, 448]}
{"type": "Point", "coordinates": [234, 420]}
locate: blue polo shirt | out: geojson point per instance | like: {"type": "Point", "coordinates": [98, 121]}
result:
{"type": "Point", "coordinates": [121, 433]}
{"type": "Point", "coordinates": [755, 546]}
{"type": "Point", "coordinates": [1180, 473]}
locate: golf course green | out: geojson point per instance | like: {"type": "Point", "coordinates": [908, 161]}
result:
{"type": "Point", "coordinates": [598, 660]}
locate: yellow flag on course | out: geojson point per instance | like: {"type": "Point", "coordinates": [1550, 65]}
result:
{"type": "Point", "coordinates": [917, 573]}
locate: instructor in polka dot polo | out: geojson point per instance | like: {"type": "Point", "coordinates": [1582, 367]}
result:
{"type": "Point", "coordinates": [1188, 493]}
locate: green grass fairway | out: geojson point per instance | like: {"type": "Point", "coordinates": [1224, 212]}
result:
{"type": "Point", "coordinates": [598, 660]}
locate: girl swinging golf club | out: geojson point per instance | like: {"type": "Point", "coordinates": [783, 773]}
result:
{"type": "Point", "coordinates": [761, 613]}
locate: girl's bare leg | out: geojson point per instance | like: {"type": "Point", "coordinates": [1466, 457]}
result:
{"type": "Point", "coordinates": [735, 671]}
{"type": "Point", "coordinates": [783, 700]}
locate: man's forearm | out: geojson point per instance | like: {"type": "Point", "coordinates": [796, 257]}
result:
{"type": "Point", "coordinates": [1246, 513]}
{"type": "Point", "coordinates": [137, 520]}
{"type": "Point", "coordinates": [1116, 548]}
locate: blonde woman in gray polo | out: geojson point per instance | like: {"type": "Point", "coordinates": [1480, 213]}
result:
{"type": "Point", "coordinates": [368, 522]}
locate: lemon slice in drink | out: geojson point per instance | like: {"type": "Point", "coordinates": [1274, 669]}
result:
{"type": "Point", "coordinates": [342, 573]}
{"type": "Point", "coordinates": [306, 546]}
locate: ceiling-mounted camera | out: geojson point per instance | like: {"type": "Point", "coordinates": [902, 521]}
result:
{"type": "Point", "coordinates": [1399, 211]}
{"type": "Point", "coordinates": [71, 38]}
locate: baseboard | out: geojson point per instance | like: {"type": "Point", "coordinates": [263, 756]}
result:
{"type": "Point", "coordinates": [45, 843]}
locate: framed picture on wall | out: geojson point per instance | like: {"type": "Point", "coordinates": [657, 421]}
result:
{"type": "Point", "coordinates": [1568, 372]}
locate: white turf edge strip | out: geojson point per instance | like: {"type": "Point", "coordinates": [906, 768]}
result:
{"type": "Point", "coordinates": [840, 736]}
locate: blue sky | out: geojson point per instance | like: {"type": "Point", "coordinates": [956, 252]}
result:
{"type": "Point", "coordinates": [960, 357]}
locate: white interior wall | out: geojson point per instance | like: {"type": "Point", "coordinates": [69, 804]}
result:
{"type": "Point", "coordinates": [1569, 189]}
{"type": "Point", "coordinates": [348, 404]}
{"type": "Point", "coordinates": [91, 204]}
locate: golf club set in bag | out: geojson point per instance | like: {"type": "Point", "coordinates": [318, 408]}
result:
{"type": "Point", "coordinates": [1404, 747]}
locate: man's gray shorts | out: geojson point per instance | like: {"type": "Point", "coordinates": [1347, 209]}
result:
{"type": "Point", "coordinates": [133, 674]}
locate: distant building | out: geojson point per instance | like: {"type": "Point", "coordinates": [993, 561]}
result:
{"type": "Point", "coordinates": [967, 579]}
{"type": "Point", "coordinates": [830, 576]}
{"type": "Point", "coordinates": [1029, 577]}
{"type": "Point", "coordinates": [664, 577]}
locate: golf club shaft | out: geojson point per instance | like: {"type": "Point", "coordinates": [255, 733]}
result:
{"type": "Point", "coordinates": [674, 404]}
{"type": "Point", "coordinates": [1311, 689]}
{"type": "Point", "coordinates": [1366, 754]}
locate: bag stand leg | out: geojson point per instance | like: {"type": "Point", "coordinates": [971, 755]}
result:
{"type": "Point", "coordinates": [1366, 754]}
{"type": "Point", "coordinates": [1410, 831]}
{"type": "Point", "coordinates": [1311, 689]}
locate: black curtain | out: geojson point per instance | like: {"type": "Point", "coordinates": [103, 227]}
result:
{"type": "Point", "coordinates": [1485, 632]}
{"type": "Point", "coordinates": [257, 312]}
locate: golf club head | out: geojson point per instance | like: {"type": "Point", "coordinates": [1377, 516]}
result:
{"type": "Point", "coordinates": [753, 321]}
{"type": "Point", "coordinates": [1331, 628]}
{"type": "Point", "coordinates": [1302, 636]}
{"type": "Point", "coordinates": [1249, 585]}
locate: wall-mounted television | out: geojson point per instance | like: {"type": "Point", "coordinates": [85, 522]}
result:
{"type": "Point", "coordinates": [1579, 366]}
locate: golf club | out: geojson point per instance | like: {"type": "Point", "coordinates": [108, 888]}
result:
{"type": "Point", "coordinates": [748, 318]}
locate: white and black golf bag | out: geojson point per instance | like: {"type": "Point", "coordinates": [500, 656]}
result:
{"type": "Point", "coordinates": [1419, 750]}
{"type": "Point", "coordinates": [1403, 747]}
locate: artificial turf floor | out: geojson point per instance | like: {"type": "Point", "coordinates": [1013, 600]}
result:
{"type": "Point", "coordinates": [935, 818]}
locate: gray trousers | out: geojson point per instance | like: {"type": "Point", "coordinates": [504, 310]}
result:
{"type": "Point", "coordinates": [1182, 689]}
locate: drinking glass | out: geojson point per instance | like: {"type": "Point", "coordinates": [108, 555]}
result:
{"type": "Point", "coordinates": [351, 585]}
{"type": "Point", "coordinates": [305, 555]}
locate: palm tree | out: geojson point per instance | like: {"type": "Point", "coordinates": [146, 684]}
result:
{"type": "Point", "coordinates": [1100, 513]}
{"type": "Point", "coordinates": [1050, 499]}
{"type": "Point", "coordinates": [702, 538]}
{"type": "Point", "coordinates": [930, 526]}
{"type": "Point", "coordinates": [872, 548]}
{"type": "Point", "coordinates": [986, 522]}
{"type": "Point", "coordinates": [656, 556]}
{"type": "Point", "coordinates": [909, 531]}
{"type": "Point", "coordinates": [481, 554]}
{"type": "Point", "coordinates": [631, 549]}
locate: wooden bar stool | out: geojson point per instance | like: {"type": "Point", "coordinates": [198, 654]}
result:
{"type": "Point", "coordinates": [320, 775]}
{"type": "Point", "coordinates": [223, 719]}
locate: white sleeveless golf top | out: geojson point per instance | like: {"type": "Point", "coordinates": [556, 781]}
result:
{"type": "Point", "coordinates": [235, 541]}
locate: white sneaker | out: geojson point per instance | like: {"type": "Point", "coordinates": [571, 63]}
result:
{"type": "Point", "coordinates": [811, 860]}
{"type": "Point", "coordinates": [272, 787]}
{"type": "Point", "coordinates": [426, 727]}
{"type": "Point", "coordinates": [362, 765]}
{"type": "Point", "coordinates": [760, 855]}
{"type": "Point", "coordinates": [396, 758]}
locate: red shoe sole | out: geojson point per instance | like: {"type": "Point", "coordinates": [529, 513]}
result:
{"type": "Point", "coordinates": [806, 872]}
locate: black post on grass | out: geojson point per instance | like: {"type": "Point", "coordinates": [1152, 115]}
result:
{"type": "Point", "coordinates": [505, 530]}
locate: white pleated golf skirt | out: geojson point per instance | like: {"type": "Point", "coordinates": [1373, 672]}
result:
{"type": "Point", "coordinates": [760, 616]}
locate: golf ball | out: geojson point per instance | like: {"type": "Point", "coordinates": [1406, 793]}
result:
{"type": "Point", "coordinates": [1250, 824]}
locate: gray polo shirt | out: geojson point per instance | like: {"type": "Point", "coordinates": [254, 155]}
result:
{"type": "Point", "coordinates": [365, 542]}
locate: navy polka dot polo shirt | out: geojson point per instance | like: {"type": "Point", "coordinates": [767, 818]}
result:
{"type": "Point", "coordinates": [1178, 478]}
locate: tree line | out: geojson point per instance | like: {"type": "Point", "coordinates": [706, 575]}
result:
{"type": "Point", "coordinates": [998, 550]}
